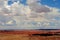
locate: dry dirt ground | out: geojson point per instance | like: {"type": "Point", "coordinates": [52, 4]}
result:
{"type": "Point", "coordinates": [24, 35]}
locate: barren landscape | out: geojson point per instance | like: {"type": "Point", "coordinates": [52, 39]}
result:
{"type": "Point", "coordinates": [30, 35]}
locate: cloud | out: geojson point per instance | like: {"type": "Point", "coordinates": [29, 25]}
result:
{"type": "Point", "coordinates": [54, 13]}
{"type": "Point", "coordinates": [31, 16]}
{"type": "Point", "coordinates": [1, 3]}
{"type": "Point", "coordinates": [31, 1]}
{"type": "Point", "coordinates": [48, 16]}
{"type": "Point", "coordinates": [39, 8]}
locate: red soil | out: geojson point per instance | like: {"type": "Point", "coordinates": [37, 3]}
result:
{"type": "Point", "coordinates": [29, 31]}
{"type": "Point", "coordinates": [27, 35]}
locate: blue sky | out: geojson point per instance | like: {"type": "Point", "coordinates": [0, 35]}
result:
{"type": "Point", "coordinates": [51, 3]}
{"type": "Point", "coordinates": [22, 1]}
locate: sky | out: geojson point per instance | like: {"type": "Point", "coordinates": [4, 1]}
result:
{"type": "Point", "coordinates": [30, 14]}
{"type": "Point", "coordinates": [22, 1]}
{"type": "Point", "coordinates": [52, 3]}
